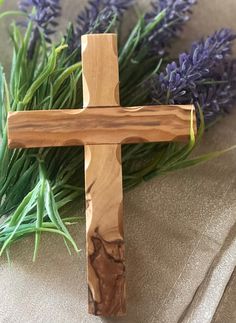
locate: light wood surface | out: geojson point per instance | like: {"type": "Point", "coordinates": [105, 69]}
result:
{"type": "Point", "coordinates": [100, 70]}
{"type": "Point", "coordinates": [103, 182]}
{"type": "Point", "coordinates": [104, 223]}
{"type": "Point", "coordinates": [99, 126]}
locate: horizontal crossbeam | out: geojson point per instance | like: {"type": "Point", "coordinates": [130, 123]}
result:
{"type": "Point", "coordinates": [95, 126]}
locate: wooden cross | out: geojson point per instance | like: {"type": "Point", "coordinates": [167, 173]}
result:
{"type": "Point", "coordinates": [102, 126]}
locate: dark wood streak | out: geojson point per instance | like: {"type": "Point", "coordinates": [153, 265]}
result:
{"type": "Point", "coordinates": [16, 145]}
{"type": "Point", "coordinates": [98, 126]}
{"type": "Point", "coordinates": [87, 195]}
{"type": "Point", "coordinates": [108, 264]}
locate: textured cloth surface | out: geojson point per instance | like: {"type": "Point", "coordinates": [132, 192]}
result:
{"type": "Point", "coordinates": [180, 235]}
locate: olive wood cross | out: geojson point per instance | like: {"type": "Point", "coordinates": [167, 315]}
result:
{"type": "Point", "coordinates": [102, 126]}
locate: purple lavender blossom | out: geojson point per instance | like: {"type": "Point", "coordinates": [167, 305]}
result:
{"type": "Point", "coordinates": [44, 17]}
{"type": "Point", "coordinates": [219, 95]}
{"type": "Point", "coordinates": [96, 18]}
{"type": "Point", "coordinates": [177, 12]}
{"type": "Point", "coordinates": [97, 15]}
{"type": "Point", "coordinates": [186, 81]}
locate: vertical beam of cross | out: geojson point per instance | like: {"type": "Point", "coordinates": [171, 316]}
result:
{"type": "Point", "coordinates": [103, 181]}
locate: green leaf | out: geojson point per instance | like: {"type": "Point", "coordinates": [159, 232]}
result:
{"type": "Point", "coordinates": [11, 13]}
{"type": "Point", "coordinates": [40, 215]}
{"type": "Point", "coordinates": [18, 217]}
{"type": "Point", "coordinates": [67, 72]}
{"type": "Point", "coordinates": [44, 75]}
{"type": "Point", "coordinates": [200, 159]}
{"type": "Point", "coordinates": [2, 105]}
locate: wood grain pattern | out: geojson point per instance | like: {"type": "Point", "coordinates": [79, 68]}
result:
{"type": "Point", "coordinates": [105, 237]}
{"type": "Point", "coordinates": [103, 183]}
{"type": "Point", "coordinates": [99, 126]}
{"type": "Point", "coordinates": [100, 70]}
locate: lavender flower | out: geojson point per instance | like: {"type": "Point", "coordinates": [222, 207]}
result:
{"type": "Point", "coordinates": [183, 82]}
{"type": "Point", "coordinates": [44, 16]}
{"type": "Point", "coordinates": [96, 18]}
{"type": "Point", "coordinates": [194, 66]}
{"type": "Point", "coordinates": [97, 15]}
{"type": "Point", "coordinates": [177, 12]}
{"type": "Point", "coordinates": [219, 95]}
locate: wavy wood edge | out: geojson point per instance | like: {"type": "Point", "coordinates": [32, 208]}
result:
{"type": "Point", "coordinates": [104, 228]}
{"type": "Point", "coordinates": [103, 182]}
{"type": "Point", "coordinates": [29, 129]}
{"type": "Point", "coordinates": [100, 70]}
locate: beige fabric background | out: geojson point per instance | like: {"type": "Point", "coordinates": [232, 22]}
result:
{"type": "Point", "coordinates": [180, 234]}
